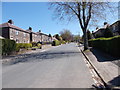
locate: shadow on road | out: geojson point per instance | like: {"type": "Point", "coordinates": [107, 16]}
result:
{"type": "Point", "coordinates": [40, 56]}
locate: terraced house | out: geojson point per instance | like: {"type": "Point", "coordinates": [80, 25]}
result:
{"type": "Point", "coordinates": [10, 31]}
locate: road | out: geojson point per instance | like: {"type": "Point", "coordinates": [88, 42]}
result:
{"type": "Point", "coordinates": [59, 67]}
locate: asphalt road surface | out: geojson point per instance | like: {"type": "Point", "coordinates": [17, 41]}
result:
{"type": "Point", "coordinates": [59, 67]}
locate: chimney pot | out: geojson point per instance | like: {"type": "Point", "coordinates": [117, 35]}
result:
{"type": "Point", "coordinates": [10, 21]}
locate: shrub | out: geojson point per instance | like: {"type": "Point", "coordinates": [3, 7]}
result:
{"type": "Point", "coordinates": [8, 46]}
{"type": "Point", "coordinates": [108, 45]}
{"type": "Point", "coordinates": [63, 42]}
{"type": "Point", "coordinates": [23, 45]}
{"type": "Point", "coordinates": [39, 45]}
{"type": "Point", "coordinates": [34, 44]}
{"type": "Point", "coordinates": [56, 43]}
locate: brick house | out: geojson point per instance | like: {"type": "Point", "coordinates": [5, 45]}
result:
{"type": "Point", "coordinates": [34, 36]}
{"type": "Point", "coordinates": [10, 31]}
{"type": "Point", "coordinates": [45, 37]}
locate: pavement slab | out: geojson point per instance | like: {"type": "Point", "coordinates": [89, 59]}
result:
{"type": "Point", "coordinates": [106, 66]}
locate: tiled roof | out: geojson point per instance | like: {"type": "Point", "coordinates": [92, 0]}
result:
{"type": "Point", "coordinates": [15, 27]}
{"type": "Point", "coordinates": [12, 26]}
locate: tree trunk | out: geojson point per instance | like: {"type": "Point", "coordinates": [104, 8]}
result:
{"type": "Point", "coordinates": [85, 39]}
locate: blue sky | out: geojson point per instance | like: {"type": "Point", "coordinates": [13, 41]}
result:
{"type": "Point", "coordinates": [37, 16]}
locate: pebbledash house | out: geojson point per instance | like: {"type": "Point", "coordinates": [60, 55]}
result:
{"type": "Point", "coordinates": [10, 31]}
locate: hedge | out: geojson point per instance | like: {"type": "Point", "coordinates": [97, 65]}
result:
{"type": "Point", "coordinates": [8, 46]}
{"type": "Point", "coordinates": [56, 43]}
{"type": "Point", "coordinates": [23, 45]}
{"type": "Point", "coordinates": [34, 44]}
{"type": "Point", "coordinates": [63, 42]}
{"type": "Point", "coordinates": [39, 46]}
{"type": "Point", "coordinates": [108, 45]}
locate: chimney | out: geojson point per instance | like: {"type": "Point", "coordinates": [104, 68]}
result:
{"type": "Point", "coordinates": [30, 28]}
{"type": "Point", "coordinates": [106, 25]}
{"type": "Point", "coordinates": [97, 28]}
{"type": "Point", "coordinates": [39, 31]}
{"type": "Point", "coordinates": [10, 21]}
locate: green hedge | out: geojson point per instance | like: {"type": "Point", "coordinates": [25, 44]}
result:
{"type": "Point", "coordinates": [108, 45]}
{"type": "Point", "coordinates": [23, 45]}
{"type": "Point", "coordinates": [34, 44]}
{"type": "Point", "coordinates": [8, 46]}
{"type": "Point", "coordinates": [56, 43]}
{"type": "Point", "coordinates": [63, 42]}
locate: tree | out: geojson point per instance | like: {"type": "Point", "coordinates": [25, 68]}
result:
{"type": "Point", "coordinates": [82, 11]}
{"type": "Point", "coordinates": [89, 35]}
{"type": "Point", "coordinates": [77, 38]}
{"type": "Point", "coordinates": [58, 37]}
{"type": "Point", "coordinates": [66, 35]}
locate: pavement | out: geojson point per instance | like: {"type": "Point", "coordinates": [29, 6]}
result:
{"type": "Point", "coordinates": [107, 66]}
{"type": "Point", "coordinates": [59, 67]}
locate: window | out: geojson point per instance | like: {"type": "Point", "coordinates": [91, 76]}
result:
{"type": "Point", "coordinates": [17, 32]}
{"type": "Point", "coordinates": [24, 34]}
{"type": "Point", "coordinates": [17, 41]}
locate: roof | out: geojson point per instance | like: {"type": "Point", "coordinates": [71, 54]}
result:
{"type": "Point", "coordinates": [15, 27]}
{"type": "Point", "coordinates": [115, 23]}
{"type": "Point", "coordinates": [12, 26]}
{"type": "Point", "coordinates": [99, 30]}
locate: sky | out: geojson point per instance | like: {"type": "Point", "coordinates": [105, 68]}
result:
{"type": "Point", "coordinates": [39, 17]}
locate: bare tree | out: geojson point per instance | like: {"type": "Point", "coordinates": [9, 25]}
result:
{"type": "Point", "coordinates": [83, 11]}
{"type": "Point", "coordinates": [66, 35]}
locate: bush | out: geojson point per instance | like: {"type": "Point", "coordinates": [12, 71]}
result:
{"type": "Point", "coordinates": [23, 45]}
{"type": "Point", "coordinates": [8, 46]}
{"type": "Point", "coordinates": [39, 45]}
{"type": "Point", "coordinates": [34, 44]}
{"type": "Point", "coordinates": [63, 42]}
{"type": "Point", "coordinates": [56, 43]}
{"type": "Point", "coordinates": [108, 45]}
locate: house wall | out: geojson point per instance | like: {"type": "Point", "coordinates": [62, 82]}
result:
{"type": "Point", "coordinates": [99, 33]}
{"type": "Point", "coordinates": [5, 32]}
{"type": "Point", "coordinates": [115, 28]}
{"type": "Point", "coordinates": [45, 38]}
{"type": "Point", "coordinates": [19, 36]}
{"type": "Point", "coordinates": [22, 36]}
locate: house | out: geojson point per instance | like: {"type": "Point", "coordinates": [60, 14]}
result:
{"type": "Point", "coordinates": [34, 36]}
{"type": "Point", "coordinates": [13, 32]}
{"type": "Point", "coordinates": [115, 27]}
{"type": "Point", "coordinates": [98, 33]}
{"type": "Point", "coordinates": [45, 37]}
{"type": "Point", "coordinates": [10, 31]}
